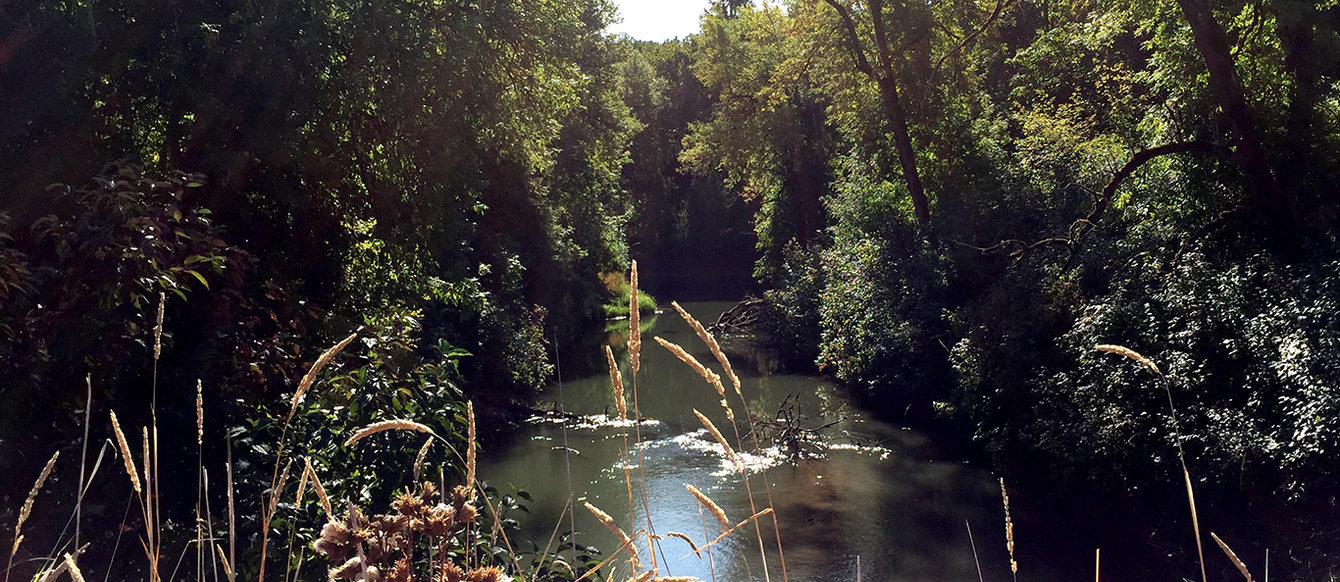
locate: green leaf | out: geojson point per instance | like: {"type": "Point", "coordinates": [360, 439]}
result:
{"type": "Point", "coordinates": [200, 278]}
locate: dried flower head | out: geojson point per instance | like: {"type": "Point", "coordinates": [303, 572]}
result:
{"type": "Point", "coordinates": [490, 574]}
{"type": "Point", "coordinates": [336, 541]}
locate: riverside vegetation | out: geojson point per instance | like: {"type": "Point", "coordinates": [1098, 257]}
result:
{"type": "Point", "coordinates": [944, 206]}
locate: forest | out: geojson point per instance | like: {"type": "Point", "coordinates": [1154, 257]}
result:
{"type": "Point", "coordinates": [1090, 246]}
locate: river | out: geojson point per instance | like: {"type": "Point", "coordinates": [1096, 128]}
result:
{"type": "Point", "coordinates": [878, 502]}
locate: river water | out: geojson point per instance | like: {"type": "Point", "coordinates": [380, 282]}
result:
{"type": "Point", "coordinates": [877, 502]}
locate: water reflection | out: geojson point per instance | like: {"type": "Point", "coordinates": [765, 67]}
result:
{"type": "Point", "coordinates": [878, 493]}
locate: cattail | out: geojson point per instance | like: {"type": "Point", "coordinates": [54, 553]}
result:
{"type": "Point", "coordinates": [28, 503]}
{"type": "Point", "coordinates": [320, 491]}
{"type": "Point", "coordinates": [1130, 353]}
{"type": "Point", "coordinates": [711, 345]}
{"type": "Point", "coordinates": [199, 413]}
{"type": "Point", "coordinates": [423, 453]}
{"type": "Point", "coordinates": [310, 377]}
{"type": "Point", "coordinates": [711, 506]}
{"type": "Point", "coordinates": [643, 577]}
{"type": "Point", "coordinates": [386, 425]}
{"type": "Point", "coordinates": [618, 532]}
{"type": "Point", "coordinates": [1232, 557]}
{"type": "Point", "coordinates": [634, 323]}
{"type": "Point", "coordinates": [125, 455]}
{"type": "Point", "coordinates": [75, 574]}
{"type": "Point", "coordinates": [1009, 528]}
{"type": "Point", "coordinates": [716, 434]}
{"type": "Point", "coordinates": [158, 327]}
{"type": "Point", "coordinates": [617, 380]}
{"type": "Point", "coordinates": [711, 377]}
{"type": "Point", "coordinates": [676, 579]}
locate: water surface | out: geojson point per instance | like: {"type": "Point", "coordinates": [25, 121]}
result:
{"type": "Point", "coordinates": [879, 496]}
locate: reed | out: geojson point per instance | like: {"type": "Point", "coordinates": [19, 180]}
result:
{"type": "Point", "coordinates": [973, 544]}
{"type": "Point", "coordinates": [1232, 557]}
{"type": "Point", "coordinates": [306, 383]}
{"type": "Point", "coordinates": [75, 574]}
{"type": "Point", "coordinates": [27, 510]}
{"type": "Point", "coordinates": [128, 460]}
{"type": "Point", "coordinates": [712, 345]}
{"type": "Point", "coordinates": [710, 505]}
{"type": "Point", "coordinates": [1009, 530]}
{"type": "Point", "coordinates": [1177, 439]}
{"type": "Point", "coordinates": [385, 425]}
{"type": "Point", "coordinates": [721, 440]}
{"type": "Point", "coordinates": [711, 377]}
{"type": "Point", "coordinates": [608, 522]}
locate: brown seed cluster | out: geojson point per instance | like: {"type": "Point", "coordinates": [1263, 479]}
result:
{"type": "Point", "coordinates": [379, 548]}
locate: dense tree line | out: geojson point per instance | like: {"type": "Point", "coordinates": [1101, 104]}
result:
{"type": "Point", "coordinates": [960, 199]}
{"type": "Point", "coordinates": [949, 204]}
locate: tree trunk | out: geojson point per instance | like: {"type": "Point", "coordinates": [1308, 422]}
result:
{"type": "Point", "coordinates": [893, 108]}
{"type": "Point", "coordinates": [1228, 91]}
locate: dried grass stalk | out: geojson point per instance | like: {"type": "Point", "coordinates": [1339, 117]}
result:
{"type": "Point", "coordinates": [688, 540]}
{"type": "Point", "coordinates": [711, 506]}
{"type": "Point", "coordinates": [28, 503]}
{"type": "Point", "coordinates": [1232, 557]}
{"type": "Point", "coordinates": [1195, 520]}
{"type": "Point", "coordinates": [1130, 353]}
{"type": "Point", "coordinates": [386, 425]}
{"type": "Point", "coordinates": [302, 487]}
{"type": "Point", "coordinates": [279, 489]}
{"type": "Point", "coordinates": [75, 574]}
{"type": "Point", "coordinates": [470, 446]}
{"type": "Point", "coordinates": [423, 454]}
{"type": "Point", "coordinates": [158, 326]}
{"type": "Point", "coordinates": [643, 577]}
{"type": "Point", "coordinates": [708, 375]}
{"type": "Point", "coordinates": [716, 434]}
{"type": "Point", "coordinates": [320, 491]}
{"type": "Point", "coordinates": [634, 322]}
{"type": "Point", "coordinates": [617, 380]}
{"type": "Point", "coordinates": [747, 521]}
{"type": "Point", "coordinates": [711, 345]}
{"type": "Point", "coordinates": [227, 568]}
{"type": "Point", "coordinates": [125, 455]}
{"type": "Point", "coordinates": [676, 579]}
{"type": "Point", "coordinates": [199, 413]}
{"type": "Point", "coordinates": [306, 382]}
{"type": "Point", "coordinates": [618, 532]}
{"type": "Point", "coordinates": [1009, 529]}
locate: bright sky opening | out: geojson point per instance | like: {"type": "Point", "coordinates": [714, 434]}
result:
{"type": "Point", "coordinates": [658, 20]}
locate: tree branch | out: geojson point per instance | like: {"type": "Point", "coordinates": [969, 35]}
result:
{"type": "Point", "coordinates": [1001, 5]}
{"type": "Point", "coordinates": [853, 41]}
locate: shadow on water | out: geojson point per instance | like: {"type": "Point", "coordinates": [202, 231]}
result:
{"type": "Point", "coordinates": [881, 494]}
